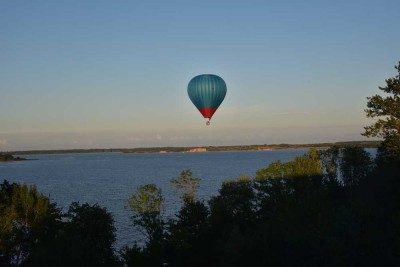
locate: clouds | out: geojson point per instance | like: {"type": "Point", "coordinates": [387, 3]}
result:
{"type": "Point", "coordinates": [215, 135]}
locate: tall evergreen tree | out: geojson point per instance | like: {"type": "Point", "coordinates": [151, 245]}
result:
{"type": "Point", "coordinates": [386, 109]}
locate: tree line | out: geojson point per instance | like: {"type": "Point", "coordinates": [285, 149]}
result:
{"type": "Point", "coordinates": [332, 207]}
{"type": "Point", "coordinates": [365, 144]}
{"type": "Point", "coordinates": [9, 157]}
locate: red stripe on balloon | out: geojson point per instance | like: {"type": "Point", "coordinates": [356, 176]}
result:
{"type": "Point", "coordinates": [207, 112]}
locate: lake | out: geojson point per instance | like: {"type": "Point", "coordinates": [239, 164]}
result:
{"type": "Point", "coordinates": [109, 179]}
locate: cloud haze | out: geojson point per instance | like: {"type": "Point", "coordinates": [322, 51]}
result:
{"type": "Point", "coordinates": [3, 142]}
{"type": "Point", "coordinates": [204, 136]}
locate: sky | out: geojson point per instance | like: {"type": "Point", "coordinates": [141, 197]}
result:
{"type": "Point", "coordinates": [114, 74]}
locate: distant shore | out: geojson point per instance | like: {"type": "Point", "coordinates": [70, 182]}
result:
{"type": "Point", "coordinates": [264, 147]}
{"type": "Point", "coordinates": [6, 157]}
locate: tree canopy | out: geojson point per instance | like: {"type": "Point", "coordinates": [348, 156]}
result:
{"type": "Point", "coordinates": [187, 184]}
{"type": "Point", "coordinates": [386, 110]}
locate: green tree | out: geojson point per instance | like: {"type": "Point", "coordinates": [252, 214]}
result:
{"type": "Point", "coordinates": [189, 239]}
{"type": "Point", "coordinates": [305, 166]}
{"type": "Point", "coordinates": [147, 205]}
{"type": "Point", "coordinates": [387, 112]}
{"type": "Point", "coordinates": [25, 217]}
{"type": "Point", "coordinates": [330, 162]}
{"type": "Point", "coordinates": [91, 233]}
{"type": "Point", "coordinates": [85, 238]}
{"type": "Point", "coordinates": [235, 202]}
{"type": "Point", "coordinates": [6, 157]}
{"type": "Point", "coordinates": [355, 165]}
{"type": "Point", "coordinates": [187, 184]}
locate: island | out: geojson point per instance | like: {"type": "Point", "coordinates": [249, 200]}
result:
{"type": "Point", "coordinates": [9, 157]}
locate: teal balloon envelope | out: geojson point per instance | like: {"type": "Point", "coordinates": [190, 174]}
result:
{"type": "Point", "coordinates": [207, 91]}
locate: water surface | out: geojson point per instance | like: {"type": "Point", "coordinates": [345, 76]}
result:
{"type": "Point", "coordinates": [109, 179]}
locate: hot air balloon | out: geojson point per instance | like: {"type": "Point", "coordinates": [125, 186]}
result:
{"type": "Point", "coordinates": [207, 91]}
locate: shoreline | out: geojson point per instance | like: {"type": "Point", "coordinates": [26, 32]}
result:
{"type": "Point", "coordinates": [199, 149]}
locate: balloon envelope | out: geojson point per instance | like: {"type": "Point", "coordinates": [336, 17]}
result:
{"type": "Point", "coordinates": [207, 91]}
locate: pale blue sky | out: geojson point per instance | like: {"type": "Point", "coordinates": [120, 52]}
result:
{"type": "Point", "coordinates": [88, 74]}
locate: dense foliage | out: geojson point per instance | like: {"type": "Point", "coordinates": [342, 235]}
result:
{"type": "Point", "coordinates": [327, 208]}
{"type": "Point", "coordinates": [34, 232]}
{"type": "Point", "coordinates": [386, 111]}
{"type": "Point", "coordinates": [9, 157]}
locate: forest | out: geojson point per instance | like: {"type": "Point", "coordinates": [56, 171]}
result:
{"type": "Point", "coordinates": [332, 207]}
